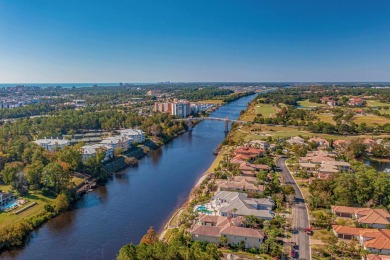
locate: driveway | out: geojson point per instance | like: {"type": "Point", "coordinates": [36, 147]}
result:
{"type": "Point", "coordinates": [300, 218]}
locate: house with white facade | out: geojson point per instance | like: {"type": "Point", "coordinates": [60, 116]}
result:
{"type": "Point", "coordinates": [52, 144]}
{"type": "Point", "coordinates": [235, 204]}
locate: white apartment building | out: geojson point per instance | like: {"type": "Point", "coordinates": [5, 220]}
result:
{"type": "Point", "coordinates": [52, 144]}
{"type": "Point", "coordinates": [121, 141]}
{"type": "Point", "coordinates": [138, 136]}
{"type": "Point", "coordinates": [181, 108]}
{"type": "Point", "coordinates": [89, 151]}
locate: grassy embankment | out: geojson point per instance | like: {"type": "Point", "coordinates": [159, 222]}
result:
{"type": "Point", "coordinates": [9, 218]}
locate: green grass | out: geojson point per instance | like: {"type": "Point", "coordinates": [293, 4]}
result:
{"type": "Point", "coordinates": [77, 180]}
{"type": "Point", "coordinates": [376, 103]}
{"type": "Point", "coordinates": [307, 103]}
{"type": "Point", "coordinates": [5, 188]}
{"type": "Point", "coordinates": [9, 218]}
{"type": "Point", "coordinates": [326, 118]}
{"type": "Point", "coordinates": [285, 132]}
{"type": "Point", "coordinates": [383, 111]}
{"type": "Point", "coordinates": [167, 235]}
{"type": "Point", "coordinates": [267, 110]}
{"type": "Point", "coordinates": [218, 159]}
{"type": "Point", "coordinates": [371, 119]}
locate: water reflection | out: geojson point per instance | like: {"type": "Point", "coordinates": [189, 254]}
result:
{"type": "Point", "coordinates": [139, 197]}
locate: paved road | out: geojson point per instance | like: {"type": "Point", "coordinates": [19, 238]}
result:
{"type": "Point", "coordinates": [300, 218]}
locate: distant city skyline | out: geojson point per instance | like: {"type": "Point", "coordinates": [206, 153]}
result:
{"type": "Point", "coordinates": [194, 41]}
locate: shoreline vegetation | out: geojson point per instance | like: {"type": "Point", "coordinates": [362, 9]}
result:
{"type": "Point", "coordinates": [266, 117]}
{"type": "Point", "coordinates": [16, 235]}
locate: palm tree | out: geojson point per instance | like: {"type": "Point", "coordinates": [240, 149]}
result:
{"type": "Point", "coordinates": [223, 240]}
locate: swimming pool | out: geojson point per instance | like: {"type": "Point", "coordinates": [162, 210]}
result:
{"type": "Point", "coordinates": [12, 204]}
{"type": "Point", "coordinates": [203, 209]}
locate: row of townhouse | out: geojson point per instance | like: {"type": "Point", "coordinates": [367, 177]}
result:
{"type": "Point", "coordinates": [123, 141]}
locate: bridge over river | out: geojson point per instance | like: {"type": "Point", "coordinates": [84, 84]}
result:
{"type": "Point", "coordinates": [226, 120]}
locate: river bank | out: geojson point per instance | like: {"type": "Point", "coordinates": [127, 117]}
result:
{"type": "Point", "coordinates": [135, 198]}
{"type": "Point", "coordinates": [16, 235]}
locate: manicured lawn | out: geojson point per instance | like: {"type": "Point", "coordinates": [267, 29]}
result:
{"type": "Point", "coordinates": [326, 118]}
{"type": "Point", "coordinates": [286, 132]}
{"type": "Point", "coordinates": [5, 188]}
{"type": "Point", "coordinates": [307, 103]}
{"type": "Point", "coordinates": [267, 110]}
{"type": "Point", "coordinates": [376, 103]}
{"type": "Point", "coordinates": [371, 119]}
{"type": "Point", "coordinates": [8, 218]}
{"type": "Point", "coordinates": [383, 111]}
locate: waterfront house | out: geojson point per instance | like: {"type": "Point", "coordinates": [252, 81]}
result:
{"type": "Point", "coordinates": [52, 144]}
{"type": "Point", "coordinates": [248, 152]}
{"type": "Point", "coordinates": [212, 228]}
{"type": "Point", "coordinates": [6, 198]}
{"type": "Point", "coordinates": [234, 204]}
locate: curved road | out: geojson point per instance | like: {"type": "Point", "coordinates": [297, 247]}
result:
{"type": "Point", "coordinates": [300, 219]}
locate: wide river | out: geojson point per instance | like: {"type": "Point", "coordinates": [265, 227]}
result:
{"type": "Point", "coordinates": [121, 211]}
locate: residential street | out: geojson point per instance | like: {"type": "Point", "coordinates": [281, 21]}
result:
{"type": "Point", "coordinates": [300, 219]}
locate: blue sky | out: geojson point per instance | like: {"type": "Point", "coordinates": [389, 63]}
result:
{"type": "Point", "coordinates": [202, 40]}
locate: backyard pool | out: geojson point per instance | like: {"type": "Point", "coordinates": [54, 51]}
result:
{"type": "Point", "coordinates": [11, 205]}
{"type": "Point", "coordinates": [203, 209]}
